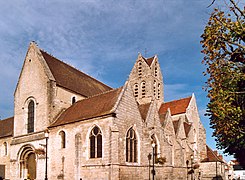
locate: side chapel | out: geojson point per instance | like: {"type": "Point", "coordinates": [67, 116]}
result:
{"type": "Point", "coordinates": [98, 132]}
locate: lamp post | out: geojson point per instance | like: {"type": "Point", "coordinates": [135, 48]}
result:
{"type": "Point", "coordinates": [153, 160]}
{"type": "Point", "coordinates": [149, 159]}
{"type": "Point", "coordinates": [187, 168]}
{"type": "Point", "coordinates": [192, 171]}
{"type": "Point", "coordinates": [46, 155]}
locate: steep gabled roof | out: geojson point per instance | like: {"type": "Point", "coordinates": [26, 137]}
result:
{"type": "Point", "coordinates": [144, 110]}
{"type": "Point", "coordinates": [95, 106]}
{"type": "Point", "coordinates": [73, 79]}
{"type": "Point", "coordinates": [212, 156]}
{"type": "Point", "coordinates": [176, 106]}
{"type": "Point", "coordinates": [6, 127]}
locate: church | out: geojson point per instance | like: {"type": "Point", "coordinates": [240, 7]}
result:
{"type": "Point", "coordinates": [68, 125]}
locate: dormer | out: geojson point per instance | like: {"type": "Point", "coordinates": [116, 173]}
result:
{"type": "Point", "coordinates": [146, 80]}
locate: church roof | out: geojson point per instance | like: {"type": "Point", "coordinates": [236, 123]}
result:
{"type": "Point", "coordinates": [7, 126]}
{"type": "Point", "coordinates": [212, 156]}
{"type": "Point", "coordinates": [144, 110]}
{"type": "Point", "coordinates": [73, 79]}
{"type": "Point", "coordinates": [95, 106]}
{"type": "Point", "coordinates": [176, 106]}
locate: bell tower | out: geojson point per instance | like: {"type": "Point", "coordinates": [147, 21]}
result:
{"type": "Point", "coordinates": [146, 80]}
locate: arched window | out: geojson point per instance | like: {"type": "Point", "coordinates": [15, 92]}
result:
{"type": "Point", "coordinates": [73, 100]}
{"type": "Point", "coordinates": [140, 68]}
{"type": "Point", "coordinates": [95, 143]}
{"type": "Point", "coordinates": [153, 140]}
{"type": "Point", "coordinates": [136, 90]}
{"type": "Point", "coordinates": [62, 139]}
{"type": "Point", "coordinates": [143, 89]}
{"type": "Point", "coordinates": [5, 149]}
{"type": "Point", "coordinates": [30, 120]}
{"type": "Point", "coordinates": [131, 146]}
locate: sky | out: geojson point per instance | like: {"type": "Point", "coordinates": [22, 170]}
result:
{"type": "Point", "coordinates": [103, 39]}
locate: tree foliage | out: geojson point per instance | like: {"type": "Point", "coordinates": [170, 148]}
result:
{"type": "Point", "coordinates": [223, 46]}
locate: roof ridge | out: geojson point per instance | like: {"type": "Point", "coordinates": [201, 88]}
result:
{"type": "Point", "coordinates": [113, 89]}
{"type": "Point", "coordinates": [72, 67]}
{"type": "Point", "coordinates": [177, 99]}
{"type": "Point", "coordinates": [212, 151]}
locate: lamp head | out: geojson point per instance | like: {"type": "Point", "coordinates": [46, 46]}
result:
{"type": "Point", "coordinates": [153, 145]}
{"type": "Point", "coordinates": [46, 134]}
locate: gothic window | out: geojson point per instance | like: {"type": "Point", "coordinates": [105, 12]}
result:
{"type": "Point", "coordinates": [143, 89]}
{"type": "Point", "coordinates": [73, 100]}
{"type": "Point", "coordinates": [158, 91]}
{"type": "Point", "coordinates": [136, 90]}
{"type": "Point", "coordinates": [140, 68]}
{"type": "Point", "coordinates": [5, 148]}
{"type": "Point", "coordinates": [131, 146]}
{"type": "Point", "coordinates": [153, 140]}
{"type": "Point", "coordinates": [95, 143]}
{"type": "Point", "coordinates": [30, 120]}
{"type": "Point", "coordinates": [62, 139]}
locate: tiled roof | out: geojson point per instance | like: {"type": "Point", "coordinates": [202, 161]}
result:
{"type": "Point", "coordinates": [73, 79]}
{"type": "Point", "coordinates": [187, 127]}
{"type": "Point", "coordinates": [212, 156]}
{"type": "Point", "coordinates": [92, 107]}
{"type": "Point", "coordinates": [6, 127]}
{"type": "Point", "coordinates": [176, 106]}
{"type": "Point", "coordinates": [144, 110]}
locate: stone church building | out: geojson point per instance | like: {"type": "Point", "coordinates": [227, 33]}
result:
{"type": "Point", "coordinates": [79, 128]}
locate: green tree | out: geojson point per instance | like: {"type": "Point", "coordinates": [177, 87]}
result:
{"type": "Point", "coordinates": [223, 46]}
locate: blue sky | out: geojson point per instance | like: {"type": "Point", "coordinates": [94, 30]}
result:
{"type": "Point", "coordinates": [103, 38]}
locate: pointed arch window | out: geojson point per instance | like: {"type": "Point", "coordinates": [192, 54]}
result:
{"type": "Point", "coordinates": [131, 146]}
{"type": "Point", "coordinates": [136, 90]}
{"type": "Point", "coordinates": [143, 89]}
{"type": "Point", "coordinates": [30, 119]}
{"type": "Point", "coordinates": [140, 68]}
{"type": "Point", "coordinates": [95, 143]}
{"type": "Point", "coordinates": [62, 139]}
{"type": "Point", "coordinates": [5, 148]}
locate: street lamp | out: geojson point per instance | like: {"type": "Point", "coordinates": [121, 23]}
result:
{"type": "Point", "coordinates": [153, 160]}
{"type": "Point", "coordinates": [149, 159]}
{"type": "Point", "coordinates": [187, 169]}
{"type": "Point", "coordinates": [46, 155]}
